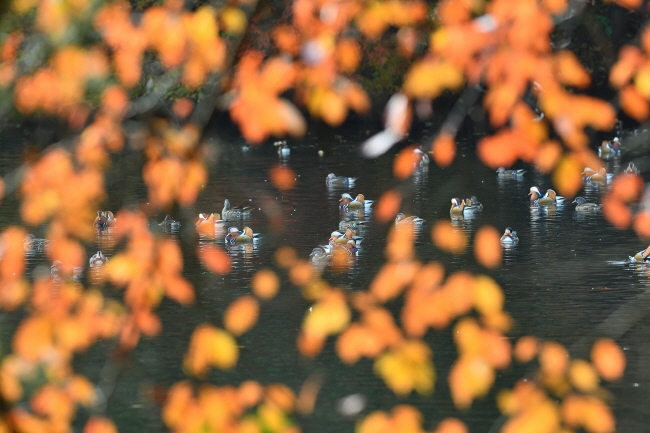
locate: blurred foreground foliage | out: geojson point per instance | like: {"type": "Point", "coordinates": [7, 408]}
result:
{"type": "Point", "coordinates": [95, 66]}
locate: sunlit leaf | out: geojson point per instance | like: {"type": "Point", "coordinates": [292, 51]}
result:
{"type": "Point", "coordinates": [526, 348]}
{"type": "Point", "coordinates": [487, 247]}
{"type": "Point", "coordinates": [241, 315]}
{"type": "Point", "coordinates": [444, 150]}
{"type": "Point", "coordinates": [388, 205]}
{"type": "Point", "coordinates": [282, 177]}
{"type": "Point", "coordinates": [553, 359]}
{"type": "Point", "coordinates": [608, 358]}
{"type": "Point", "coordinates": [448, 238]}
{"type": "Point", "coordinates": [215, 259]}
{"type": "Point", "coordinates": [265, 284]}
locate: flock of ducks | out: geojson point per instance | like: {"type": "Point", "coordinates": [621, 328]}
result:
{"type": "Point", "coordinates": [608, 150]}
{"type": "Point", "coordinates": [345, 240]}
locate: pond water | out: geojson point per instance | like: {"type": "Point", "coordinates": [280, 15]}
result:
{"type": "Point", "coordinates": [568, 280]}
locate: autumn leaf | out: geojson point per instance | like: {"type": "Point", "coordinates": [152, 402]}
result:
{"type": "Point", "coordinates": [241, 315]}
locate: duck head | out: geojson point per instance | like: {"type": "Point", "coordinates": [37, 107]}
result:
{"type": "Point", "coordinates": [579, 200]}
{"type": "Point", "coordinates": [534, 193]}
{"type": "Point", "coordinates": [334, 236]}
{"type": "Point", "coordinates": [226, 205]}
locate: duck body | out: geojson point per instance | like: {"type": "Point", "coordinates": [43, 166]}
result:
{"type": "Point", "coordinates": [509, 237]}
{"type": "Point", "coordinates": [510, 174]}
{"type": "Point", "coordinates": [632, 168]}
{"type": "Point", "coordinates": [352, 225]}
{"type": "Point", "coordinates": [600, 176]}
{"type": "Point", "coordinates": [169, 223]}
{"type": "Point", "coordinates": [346, 202]}
{"type": "Point", "coordinates": [583, 206]}
{"type": "Point", "coordinates": [283, 148]}
{"type": "Point", "coordinates": [342, 237]}
{"type": "Point", "coordinates": [97, 260]}
{"type": "Point", "coordinates": [206, 223]}
{"type": "Point", "coordinates": [101, 222]}
{"type": "Point", "coordinates": [237, 237]}
{"type": "Point", "coordinates": [457, 207]}
{"type": "Point", "coordinates": [421, 158]}
{"type": "Point", "coordinates": [233, 213]}
{"type": "Point", "coordinates": [473, 205]}
{"type": "Point", "coordinates": [548, 199]}
{"type": "Point", "coordinates": [642, 256]}
{"type": "Point", "coordinates": [334, 180]}
{"type": "Point", "coordinates": [403, 219]}
{"type": "Point", "coordinates": [32, 244]}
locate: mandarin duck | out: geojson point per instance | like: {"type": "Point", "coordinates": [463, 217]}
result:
{"type": "Point", "coordinates": [457, 207]}
{"type": "Point", "coordinates": [583, 206]}
{"type": "Point", "coordinates": [236, 237]}
{"type": "Point", "coordinates": [283, 148]}
{"type": "Point", "coordinates": [472, 205]}
{"type": "Point", "coordinates": [642, 256]}
{"type": "Point", "coordinates": [403, 219]}
{"type": "Point", "coordinates": [509, 237]}
{"type": "Point", "coordinates": [32, 244]}
{"type": "Point", "coordinates": [334, 180]}
{"type": "Point", "coordinates": [632, 168]}
{"type": "Point", "coordinates": [169, 224]}
{"type": "Point", "coordinates": [239, 212]}
{"type": "Point", "coordinates": [510, 174]}
{"type": "Point", "coordinates": [97, 260]}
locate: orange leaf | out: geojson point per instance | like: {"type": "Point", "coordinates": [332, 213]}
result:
{"type": "Point", "coordinates": [249, 393]}
{"type": "Point", "coordinates": [526, 348]}
{"type": "Point", "coordinates": [280, 396]}
{"type": "Point", "coordinates": [570, 71]}
{"type": "Point", "coordinates": [388, 205]}
{"type": "Point", "coordinates": [215, 259]}
{"type": "Point", "coordinates": [448, 238]}
{"type": "Point", "coordinates": [348, 55]}
{"type": "Point", "coordinates": [608, 358]}
{"type": "Point", "coordinates": [627, 187]}
{"type": "Point", "coordinates": [286, 257]}
{"type": "Point", "coordinates": [33, 338]}
{"type": "Point", "coordinates": [548, 155]}
{"type": "Point", "coordinates": [287, 39]}
{"type": "Point", "coordinates": [333, 109]}
{"type": "Point", "coordinates": [265, 284]}
{"type": "Point", "coordinates": [553, 359]}
{"type": "Point", "coordinates": [583, 376]}
{"type": "Point", "coordinates": [99, 425]}
{"type": "Point", "coordinates": [628, 4]}
{"type": "Point", "coordinates": [282, 177]}
{"type": "Point", "coordinates": [634, 105]}
{"type": "Point", "coordinates": [444, 150]}
{"type": "Point", "coordinates": [568, 176]}
{"type": "Point", "coordinates": [241, 315]}
{"type": "Point", "coordinates": [487, 247]}
{"type": "Point", "coordinates": [183, 107]}
{"type": "Point", "coordinates": [616, 212]}
{"type": "Point", "coordinates": [451, 425]}
{"type": "Point", "coordinates": [115, 101]}
{"type": "Point", "coordinates": [405, 162]}
{"type": "Point", "coordinates": [642, 223]}
{"type": "Point", "coordinates": [498, 150]}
